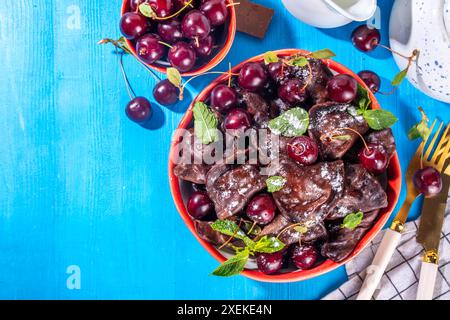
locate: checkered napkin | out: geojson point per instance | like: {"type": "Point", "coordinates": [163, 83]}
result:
{"type": "Point", "coordinates": [401, 278]}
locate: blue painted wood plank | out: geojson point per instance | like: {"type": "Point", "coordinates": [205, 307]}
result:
{"type": "Point", "coordinates": [84, 186]}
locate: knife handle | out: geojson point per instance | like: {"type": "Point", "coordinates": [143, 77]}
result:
{"type": "Point", "coordinates": [375, 271]}
{"type": "Point", "coordinates": [428, 272]}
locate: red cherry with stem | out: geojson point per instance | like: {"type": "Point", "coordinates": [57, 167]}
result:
{"type": "Point", "coordinates": [374, 158]}
{"type": "Point", "coordinates": [170, 31]}
{"type": "Point", "coordinates": [304, 257]}
{"type": "Point", "coordinates": [342, 88]}
{"type": "Point", "coordinates": [252, 76]}
{"type": "Point", "coordinates": [200, 205]}
{"type": "Point", "coordinates": [139, 110]}
{"type": "Point", "coordinates": [237, 119]}
{"type": "Point", "coordinates": [162, 8]}
{"type": "Point", "coordinates": [292, 91]}
{"type": "Point", "coordinates": [275, 70]}
{"type": "Point", "coordinates": [428, 181]}
{"type": "Point", "coordinates": [182, 56]}
{"type": "Point", "coordinates": [261, 209]}
{"type": "Point", "coordinates": [195, 25]}
{"type": "Point", "coordinates": [371, 79]}
{"type": "Point", "coordinates": [366, 39]}
{"type": "Point", "coordinates": [303, 149]}
{"type": "Point", "coordinates": [223, 98]}
{"type": "Point", "coordinates": [203, 47]}
{"type": "Point", "coordinates": [133, 25]}
{"type": "Point", "coordinates": [149, 48]}
{"type": "Point", "coordinates": [269, 263]}
{"type": "Point", "coordinates": [165, 93]}
{"type": "Point", "coordinates": [216, 11]}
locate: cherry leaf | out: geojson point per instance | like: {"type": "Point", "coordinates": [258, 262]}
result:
{"type": "Point", "coordinates": [174, 76]}
{"type": "Point", "coordinates": [399, 77]}
{"type": "Point", "coordinates": [322, 54]}
{"type": "Point", "coordinates": [270, 57]}
{"type": "Point", "coordinates": [146, 10]}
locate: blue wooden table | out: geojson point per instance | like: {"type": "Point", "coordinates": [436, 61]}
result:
{"type": "Point", "coordinates": [85, 206]}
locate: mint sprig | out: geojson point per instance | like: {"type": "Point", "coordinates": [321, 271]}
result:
{"type": "Point", "coordinates": [275, 183]}
{"type": "Point", "coordinates": [292, 123]}
{"type": "Point", "coordinates": [205, 123]}
{"type": "Point", "coordinates": [236, 264]}
{"type": "Point", "coordinates": [352, 220]}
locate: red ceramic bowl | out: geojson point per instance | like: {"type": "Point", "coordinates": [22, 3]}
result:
{"type": "Point", "coordinates": [211, 64]}
{"type": "Point", "coordinates": [393, 188]}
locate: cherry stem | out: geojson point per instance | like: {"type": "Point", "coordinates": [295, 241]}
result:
{"type": "Point", "coordinates": [232, 237]}
{"type": "Point", "coordinates": [231, 4]}
{"type": "Point", "coordinates": [130, 90]}
{"type": "Point", "coordinates": [229, 74]}
{"type": "Point", "coordinates": [165, 44]}
{"type": "Point", "coordinates": [287, 228]}
{"type": "Point", "coordinates": [199, 75]}
{"type": "Point", "coordinates": [251, 229]}
{"type": "Point", "coordinates": [188, 4]}
{"type": "Point", "coordinates": [360, 135]}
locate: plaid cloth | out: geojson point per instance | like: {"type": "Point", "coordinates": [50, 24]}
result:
{"type": "Point", "coordinates": [401, 278]}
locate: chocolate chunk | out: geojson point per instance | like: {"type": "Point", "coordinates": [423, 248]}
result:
{"type": "Point", "coordinates": [252, 18]}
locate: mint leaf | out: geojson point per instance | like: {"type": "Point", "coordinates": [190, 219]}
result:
{"type": "Point", "coordinates": [174, 76]}
{"type": "Point", "coordinates": [146, 10]}
{"type": "Point", "coordinates": [362, 98]}
{"type": "Point", "coordinates": [270, 57]}
{"type": "Point", "coordinates": [352, 220]}
{"type": "Point", "coordinates": [322, 54]}
{"type": "Point", "coordinates": [233, 266]}
{"type": "Point", "coordinates": [275, 183]}
{"type": "Point", "coordinates": [205, 123]}
{"type": "Point", "coordinates": [299, 61]}
{"type": "Point", "coordinates": [399, 77]}
{"type": "Point", "coordinates": [292, 123]}
{"type": "Point", "coordinates": [251, 228]}
{"type": "Point", "coordinates": [230, 228]}
{"type": "Point", "coordinates": [268, 245]}
{"type": "Point", "coordinates": [379, 119]}
{"type": "Point", "coordinates": [420, 130]}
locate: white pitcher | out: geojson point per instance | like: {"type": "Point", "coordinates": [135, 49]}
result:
{"type": "Point", "coordinates": [331, 13]}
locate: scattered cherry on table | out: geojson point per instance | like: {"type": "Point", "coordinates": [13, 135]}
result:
{"type": "Point", "coordinates": [428, 181]}
{"type": "Point", "coordinates": [365, 38]}
{"type": "Point", "coordinates": [165, 93]}
{"type": "Point", "coordinates": [139, 110]}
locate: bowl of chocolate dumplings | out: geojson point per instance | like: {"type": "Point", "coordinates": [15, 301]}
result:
{"type": "Point", "coordinates": [286, 167]}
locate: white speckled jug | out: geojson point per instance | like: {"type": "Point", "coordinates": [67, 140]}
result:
{"type": "Point", "coordinates": [424, 25]}
{"type": "Point", "coordinates": [331, 13]}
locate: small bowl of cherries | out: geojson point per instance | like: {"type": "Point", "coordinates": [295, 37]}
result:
{"type": "Point", "coordinates": [192, 36]}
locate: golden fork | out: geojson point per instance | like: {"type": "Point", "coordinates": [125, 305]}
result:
{"type": "Point", "coordinates": [392, 236]}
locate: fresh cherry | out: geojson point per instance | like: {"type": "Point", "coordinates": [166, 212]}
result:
{"type": "Point", "coordinates": [374, 158]}
{"type": "Point", "coordinates": [216, 11]}
{"type": "Point", "coordinates": [195, 25]}
{"type": "Point", "coordinates": [252, 76]}
{"type": "Point", "coordinates": [139, 110]}
{"type": "Point", "coordinates": [292, 91]}
{"type": "Point", "coordinates": [223, 98]}
{"type": "Point", "coordinates": [149, 49]}
{"type": "Point", "coordinates": [365, 38]}
{"type": "Point", "coordinates": [428, 181]}
{"type": "Point", "coordinates": [162, 8]}
{"type": "Point", "coordinates": [269, 263]}
{"type": "Point", "coordinates": [371, 79]}
{"type": "Point", "coordinates": [342, 88]}
{"type": "Point", "coordinates": [275, 70]}
{"type": "Point", "coordinates": [303, 149]}
{"type": "Point", "coordinates": [261, 209]}
{"type": "Point", "coordinates": [182, 56]}
{"type": "Point", "coordinates": [166, 93]}
{"type": "Point", "coordinates": [134, 4]}
{"type": "Point", "coordinates": [200, 205]}
{"type": "Point", "coordinates": [170, 31]}
{"type": "Point", "coordinates": [203, 47]}
{"type": "Point", "coordinates": [133, 25]}
{"type": "Point", "coordinates": [304, 257]}
{"type": "Point", "coordinates": [237, 119]}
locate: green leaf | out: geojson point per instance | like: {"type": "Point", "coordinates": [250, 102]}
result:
{"type": "Point", "coordinates": [174, 76]}
{"type": "Point", "coordinates": [299, 61]}
{"type": "Point", "coordinates": [301, 229]}
{"type": "Point", "coordinates": [270, 57]}
{"type": "Point", "coordinates": [322, 54]}
{"type": "Point", "coordinates": [124, 45]}
{"type": "Point", "coordinates": [399, 77]}
{"type": "Point", "coordinates": [362, 98]}
{"type": "Point", "coordinates": [268, 245]}
{"type": "Point", "coordinates": [420, 130]}
{"type": "Point", "coordinates": [291, 123]}
{"type": "Point", "coordinates": [146, 10]}
{"type": "Point", "coordinates": [230, 228]}
{"type": "Point", "coordinates": [233, 266]}
{"type": "Point", "coordinates": [205, 123]}
{"type": "Point", "coordinates": [275, 183]}
{"type": "Point", "coordinates": [254, 228]}
{"type": "Point", "coordinates": [352, 220]}
{"type": "Point", "coordinates": [379, 119]}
